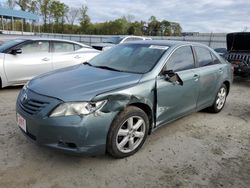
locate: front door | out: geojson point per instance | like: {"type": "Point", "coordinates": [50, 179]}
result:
{"type": "Point", "coordinates": [174, 100]}
{"type": "Point", "coordinates": [34, 60]}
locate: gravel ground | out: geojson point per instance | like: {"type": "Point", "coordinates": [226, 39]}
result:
{"type": "Point", "coordinates": [200, 150]}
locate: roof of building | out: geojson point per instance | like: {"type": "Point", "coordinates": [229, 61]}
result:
{"type": "Point", "coordinates": [18, 14]}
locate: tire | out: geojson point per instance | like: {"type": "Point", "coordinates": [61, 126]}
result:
{"type": "Point", "coordinates": [220, 100]}
{"type": "Point", "coordinates": [125, 136]}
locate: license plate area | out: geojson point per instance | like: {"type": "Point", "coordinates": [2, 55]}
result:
{"type": "Point", "coordinates": [21, 122]}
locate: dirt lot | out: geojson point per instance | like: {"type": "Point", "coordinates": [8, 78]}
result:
{"type": "Point", "coordinates": [200, 150]}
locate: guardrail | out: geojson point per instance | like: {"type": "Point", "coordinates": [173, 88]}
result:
{"type": "Point", "coordinates": [214, 40]}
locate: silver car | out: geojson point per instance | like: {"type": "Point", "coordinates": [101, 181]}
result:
{"type": "Point", "coordinates": [112, 41]}
{"type": "Point", "coordinates": [23, 59]}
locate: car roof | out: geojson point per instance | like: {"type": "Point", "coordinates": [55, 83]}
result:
{"type": "Point", "coordinates": [169, 43]}
{"type": "Point", "coordinates": [54, 39]}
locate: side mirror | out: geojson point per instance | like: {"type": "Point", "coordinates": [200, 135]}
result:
{"type": "Point", "coordinates": [173, 77]}
{"type": "Point", "coordinates": [16, 51]}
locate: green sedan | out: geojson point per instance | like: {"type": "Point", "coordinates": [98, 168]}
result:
{"type": "Point", "coordinates": [114, 101]}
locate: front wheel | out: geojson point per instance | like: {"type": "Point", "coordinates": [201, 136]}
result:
{"type": "Point", "coordinates": [220, 99]}
{"type": "Point", "coordinates": [128, 132]}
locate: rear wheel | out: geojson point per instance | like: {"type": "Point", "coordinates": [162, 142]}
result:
{"type": "Point", "coordinates": [220, 99]}
{"type": "Point", "coordinates": [128, 132]}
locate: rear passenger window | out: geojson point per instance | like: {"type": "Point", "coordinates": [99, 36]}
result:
{"type": "Point", "coordinates": [77, 47]}
{"type": "Point", "coordinates": [215, 59]}
{"type": "Point", "coordinates": [204, 57]}
{"type": "Point", "coordinates": [181, 59]}
{"type": "Point", "coordinates": [63, 47]}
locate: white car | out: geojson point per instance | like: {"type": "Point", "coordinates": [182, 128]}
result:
{"type": "Point", "coordinates": [23, 59]}
{"type": "Point", "coordinates": [112, 41]}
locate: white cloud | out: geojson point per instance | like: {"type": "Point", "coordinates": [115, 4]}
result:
{"type": "Point", "coordinates": [193, 15]}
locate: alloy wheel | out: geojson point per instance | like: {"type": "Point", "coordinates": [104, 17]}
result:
{"type": "Point", "coordinates": [221, 98]}
{"type": "Point", "coordinates": [130, 134]}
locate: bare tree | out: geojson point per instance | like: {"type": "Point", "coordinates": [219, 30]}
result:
{"type": "Point", "coordinates": [10, 4]}
{"type": "Point", "coordinates": [72, 15]}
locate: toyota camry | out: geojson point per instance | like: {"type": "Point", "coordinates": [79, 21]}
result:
{"type": "Point", "coordinates": [114, 101]}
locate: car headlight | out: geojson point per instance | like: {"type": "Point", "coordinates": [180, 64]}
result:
{"type": "Point", "coordinates": [25, 87]}
{"type": "Point", "coordinates": [77, 108]}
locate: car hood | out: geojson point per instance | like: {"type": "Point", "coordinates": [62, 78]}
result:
{"type": "Point", "coordinates": [81, 82]}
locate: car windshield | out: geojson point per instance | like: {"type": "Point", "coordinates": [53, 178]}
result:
{"type": "Point", "coordinates": [113, 40]}
{"type": "Point", "coordinates": [8, 44]}
{"type": "Point", "coordinates": [133, 58]}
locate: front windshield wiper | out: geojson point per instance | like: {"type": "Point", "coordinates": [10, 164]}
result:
{"type": "Point", "coordinates": [87, 63]}
{"type": "Point", "coordinates": [108, 68]}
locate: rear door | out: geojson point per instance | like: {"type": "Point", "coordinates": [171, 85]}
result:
{"type": "Point", "coordinates": [34, 60]}
{"type": "Point", "coordinates": [65, 54]}
{"type": "Point", "coordinates": [210, 71]}
{"type": "Point", "coordinates": [174, 100]}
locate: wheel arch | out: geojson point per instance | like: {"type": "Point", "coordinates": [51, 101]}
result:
{"type": "Point", "coordinates": [227, 84]}
{"type": "Point", "coordinates": [146, 108]}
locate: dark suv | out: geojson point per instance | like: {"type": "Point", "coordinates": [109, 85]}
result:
{"type": "Point", "coordinates": [238, 47]}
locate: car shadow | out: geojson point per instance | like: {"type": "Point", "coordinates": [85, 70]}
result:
{"type": "Point", "coordinates": [242, 81]}
{"type": "Point", "coordinates": [11, 88]}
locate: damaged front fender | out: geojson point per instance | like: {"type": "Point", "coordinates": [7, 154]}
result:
{"type": "Point", "coordinates": [141, 93]}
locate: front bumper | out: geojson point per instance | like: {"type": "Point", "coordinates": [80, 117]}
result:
{"type": "Point", "coordinates": [72, 134]}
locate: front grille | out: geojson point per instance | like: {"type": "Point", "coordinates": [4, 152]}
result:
{"type": "Point", "coordinates": [32, 106]}
{"type": "Point", "coordinates": [31, 102]}
{"type": "Point", "coordinates": [238, 57]}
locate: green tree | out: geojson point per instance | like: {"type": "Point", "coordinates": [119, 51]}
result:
{"type": "Point", "coordinates": [153, 26]}
{"type": "Point", "coordinates": [165, 27]}
{"type": "Point", "coordinates": [84, 19]}
{"type": "Point", "coordinates": [176, 28]}
{"type": "Point", "coordinates": [44, 7]}
{"type": "Point", "coordinates": [57, 12]}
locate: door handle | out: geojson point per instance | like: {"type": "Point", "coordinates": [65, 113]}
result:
{"type": "Point", "coordinates": [196, 77]}
{"type": "Point", "coordinates": [220, 70]}
{"type": "Point", "coordinates": [45, 59]}
{"type": "Point", "coordinates": [77, 57]}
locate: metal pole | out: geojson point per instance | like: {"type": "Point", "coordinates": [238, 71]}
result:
{"type": "Point", "coordinates": [22, 26]}
{"type": "Point", "coordinates": [12, 24]}
{"type": "Point", "coordinates": [30, 27]}
{"type": "Point", "coordinates": [2, 23]}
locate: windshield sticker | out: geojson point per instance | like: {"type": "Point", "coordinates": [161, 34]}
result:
{"type": "Point", "coordinates": [159, 47]}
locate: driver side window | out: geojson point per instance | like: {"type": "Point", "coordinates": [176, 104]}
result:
{"type": "Point", "coordinates": [182, 59]}
{"type": "Point", "coordinates": [35, 47]}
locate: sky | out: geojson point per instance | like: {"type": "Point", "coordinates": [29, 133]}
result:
{"type": "Point", "coordinates": [193, 15]}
